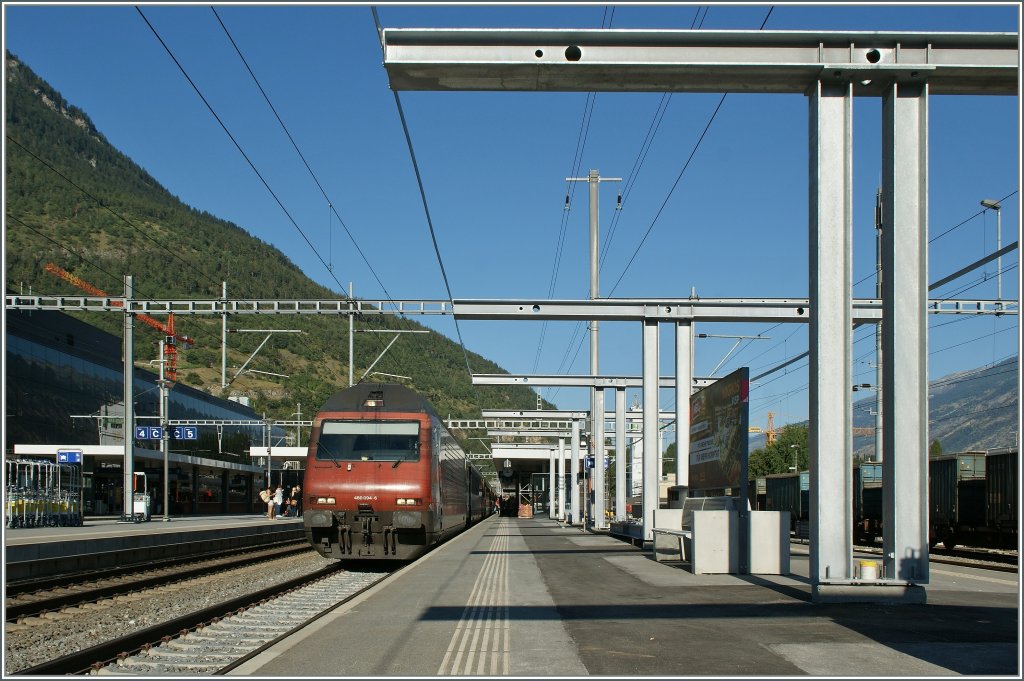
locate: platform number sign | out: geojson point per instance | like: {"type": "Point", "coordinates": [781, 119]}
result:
{"type": "Point", "coordinates": [157, 433]}
{"type": "Point", "coordinates": [186, 433]}
{"type": "Point", "coordinates": [149, 433]}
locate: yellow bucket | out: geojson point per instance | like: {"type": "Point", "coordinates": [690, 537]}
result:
{"type": "Point", "coordinates": [868, 569]}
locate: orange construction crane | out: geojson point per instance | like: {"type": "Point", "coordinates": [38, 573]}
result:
{"type": "Point", "coordinates": [769, 433]}
{"type": "Point", "coordinates": [170, 348]}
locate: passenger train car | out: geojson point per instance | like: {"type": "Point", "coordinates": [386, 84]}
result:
{"type": "Point", "coordinates": [385, 480]}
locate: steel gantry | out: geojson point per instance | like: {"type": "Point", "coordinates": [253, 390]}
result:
{"type": "Point", "coordinates": [830, 69]}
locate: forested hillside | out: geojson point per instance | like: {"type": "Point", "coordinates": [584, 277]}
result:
{"type": "Point", "coordinates": [74, 200]}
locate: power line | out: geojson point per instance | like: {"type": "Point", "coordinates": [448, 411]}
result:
{"type": "Point", "coordinates": [426, 207]}
{"type": "Point", "coordinates": [240, 150]}
{"type": "Point", "coordinates": [102, 204]}
{"type": "Point", "coordinates": [301, 156]}
{"type": "Point", "coordinates": [332, 210]}
{"type": "Point", "coordinates": [81, 257]}
{"type": "Point", "coordinates": [679, 177]}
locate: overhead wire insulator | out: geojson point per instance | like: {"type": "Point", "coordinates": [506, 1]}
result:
{"type": "Point", "coordinates": [618, 203]}
{"type": "Point", "coordinates": [566, 201]}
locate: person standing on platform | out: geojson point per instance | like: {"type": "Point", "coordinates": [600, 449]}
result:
{"type": "Point", "coordinates": [296, 500]}
{"type": "Point", "coordinates": [267, 496]}
{"type": "Point", "coordinates": [278, 500]}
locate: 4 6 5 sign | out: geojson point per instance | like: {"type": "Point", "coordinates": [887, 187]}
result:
{"type": "Point", "coordinates": [157, 433]}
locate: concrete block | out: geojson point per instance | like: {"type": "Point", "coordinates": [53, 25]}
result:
{"type": "Point", "coordinates": [769, 542]}
{"type": "Point", "coordinates": [716, 539]}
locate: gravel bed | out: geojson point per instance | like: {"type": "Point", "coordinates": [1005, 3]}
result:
{"type": "Point", "coordinates": [38, 641]}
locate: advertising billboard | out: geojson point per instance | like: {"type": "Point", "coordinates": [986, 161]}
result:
{"type": "Point", "coordinates": [719, 416]}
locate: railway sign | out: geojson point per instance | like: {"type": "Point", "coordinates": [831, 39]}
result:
{"type": "Point", "coordinates": [149, 433]}
{"type": "Point", "coordinates": [69, 456]}
{"type": "Point", "coordinates": [186, 433]}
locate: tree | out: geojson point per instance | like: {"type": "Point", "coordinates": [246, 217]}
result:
{"type": "Point", "coordinates": [778, 457]}
{"type": "Point", "coordinates": [935, 448]}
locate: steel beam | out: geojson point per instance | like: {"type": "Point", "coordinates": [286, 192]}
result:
{"type": "Point", "coordinates": [620, 453]}
{"type": "Point", "coordinates": [684, 377]}
{"type": "Point", "coordinates": [551, 484]}
{"type": "Point", "coordinates": [579, 381]}
{"type": "Point", "coordinates": [522, 424]}
{"type": "Point", "coordinates": [865, 311]}
{"type": "Point", "coordinates": [650, 428]}
{"type": "Point", "coordinates": [573, 60]}
{"type": "Point", "coordinates": [830, 342]}
{"type": "Point", "coordinates": [544, 414]}
{"type": "Point", "coordinates": [905, 333]}
{"type": "Point", "coordinates": [597, 440]}
{"type": "Point", "coordinates": [574, 474]}
{"type": "Point", "coordinates": [561, 479]}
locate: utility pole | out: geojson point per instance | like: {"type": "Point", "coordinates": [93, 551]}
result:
{"type": "Point", "coordinates": [224, 338]}
{"type": "Point", "coordinates": [128, 510]}
{"type": "Point", "coordinates": [351, 340]}
{"type": "Point", "coordinates": [163, 429]}
{"type": "Point", "coordinates": [594, 180]}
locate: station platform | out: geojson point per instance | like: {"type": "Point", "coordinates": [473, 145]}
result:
{"type": "Point", "coordinates": [533, 598]}
{"type": "Point", "coordinates": [103, 542]}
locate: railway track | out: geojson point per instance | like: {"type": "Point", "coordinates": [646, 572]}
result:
{"type": "Point", "coordinates": [1000, 561]}
{"type": "Point", "coordinates": [216, 638]}
{"type": "Point", "coordinates": [39, 597]}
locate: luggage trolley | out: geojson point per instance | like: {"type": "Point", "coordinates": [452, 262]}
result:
{"type": "Point", "coordinates": [42, 493]}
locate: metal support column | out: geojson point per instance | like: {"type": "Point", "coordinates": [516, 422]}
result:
{"type": "Point", "coordinates": [830, 438]}
{"type": "Point", "coordinates": [351, 340]}
{"type": "Point", "coordinates": [165, 428]}
{"type": "Point", "coordinates": [224, 337]}
{"type": "Point", "coordinates": [684, 381]}
{"type": "Point", "coordinates": [650, 451]}
{"type": "Point", "coordinates": [598, 448]}
{"type": "Point", "coordinates": [551, 485]}
{"type": "Point", "coordinates": [905, 332]}
{"type": "Point", "coordinates": [128, 510]}
{"type": "Point", "coordinates": [562, 510]}
{"type": "Point", "coordinates": [620, 453]}
{"type": "Point", "coordinates": [574, 473]}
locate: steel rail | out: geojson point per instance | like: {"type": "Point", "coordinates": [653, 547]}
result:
{"type": "Point", "coordinates": [14, 612]}
{"type": "Point", "coordinates": [94, 657]}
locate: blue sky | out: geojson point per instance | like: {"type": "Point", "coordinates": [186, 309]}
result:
{"type": "Point", "coordinates": [494, 168]}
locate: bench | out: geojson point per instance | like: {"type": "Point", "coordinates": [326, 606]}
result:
{"type": "Point", "coordinates": [673, 527]}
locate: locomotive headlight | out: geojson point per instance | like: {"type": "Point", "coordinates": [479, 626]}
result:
{"type": "Point", "coordinates": [326, 500]}
{"type": "Point", "coordinates": [409, 502]}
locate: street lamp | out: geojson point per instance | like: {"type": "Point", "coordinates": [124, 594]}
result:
{"type": "Point", "coordinates": [998, 208]}
{"type": "Point", "coordinates": [795, 448]}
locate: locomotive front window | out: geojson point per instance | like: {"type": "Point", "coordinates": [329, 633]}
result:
{"type": "Point", "coordinates": [369, 441]}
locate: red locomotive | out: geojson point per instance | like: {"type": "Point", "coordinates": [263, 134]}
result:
{"type": "Point", "coordinates": [385, 480]}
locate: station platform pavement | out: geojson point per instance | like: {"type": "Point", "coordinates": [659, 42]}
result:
{"type": "Point", "coordinates": [106, 541]}
{"type": "Point", "coordinates": [532, 598]}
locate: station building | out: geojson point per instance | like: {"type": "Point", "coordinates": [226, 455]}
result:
{"type": "Point", "coordinates": [64, 391]}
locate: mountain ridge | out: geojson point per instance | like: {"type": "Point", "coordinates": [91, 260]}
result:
{"type": "Point", "coordinates": [75, 200]}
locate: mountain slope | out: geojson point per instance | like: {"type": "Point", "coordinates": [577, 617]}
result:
{"type": "Point", "coordinates": [74, 200]}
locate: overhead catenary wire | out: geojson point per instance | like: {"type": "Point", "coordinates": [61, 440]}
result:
{"type": "Point", "coordinates": [679, 177]}
{"type": "Point", "coordinates": [330, 204]}
{"type": "Point", "coordinates": [241, 150]}
{"type": "Point", "coordinates": [103, 205]}
{"type": "Point", "coordinates": [581, 143]}
{"type": "Point", "coordinates": [426, 207]}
